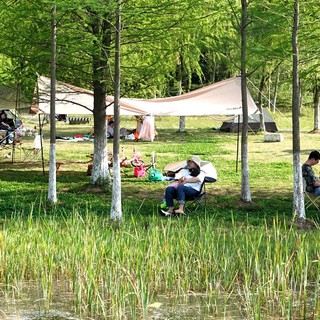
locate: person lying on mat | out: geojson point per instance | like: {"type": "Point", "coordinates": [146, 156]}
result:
{"type": "Point", "coordinates": [312, 181]}
{"type": "Point", "coordinates": [187, 186]}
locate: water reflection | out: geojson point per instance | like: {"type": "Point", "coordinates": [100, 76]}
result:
{"type": "Point", "coordinates": [26, 303]}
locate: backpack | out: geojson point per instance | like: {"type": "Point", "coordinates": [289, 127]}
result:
{"type": "Point", "coordinates": [154, 175]}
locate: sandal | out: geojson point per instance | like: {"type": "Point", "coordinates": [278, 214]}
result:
{"type": "Point", "coordinates": [167, 213]}
{"type": "Point", "coordinates": [178, 212]}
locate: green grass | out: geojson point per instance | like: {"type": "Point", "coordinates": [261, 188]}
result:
{"type": "Point", "coordinates": [250, 253]}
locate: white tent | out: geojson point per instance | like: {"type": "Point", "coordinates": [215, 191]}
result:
{"type": "Point", "coordinates": [221, 98]}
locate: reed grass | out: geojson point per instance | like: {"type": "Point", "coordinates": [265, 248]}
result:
{"type": "Point", "coordinates": [117, 272]}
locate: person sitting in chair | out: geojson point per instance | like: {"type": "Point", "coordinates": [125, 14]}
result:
{"type": "Point", "coordinates": [4, 125]}
{"type": "Point", "coordinates": [312, 181]}
{"type": "Point", "coordinates": [188, 186]}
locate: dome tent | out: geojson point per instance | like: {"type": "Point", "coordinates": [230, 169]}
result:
{"type": "Point", "coordinates": [235, 124]}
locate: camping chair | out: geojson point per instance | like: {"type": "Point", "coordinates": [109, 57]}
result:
{"type": "Point", "coordinates": [33, 153]}
{"type": "Point", "coordinates": [200, 200]}
{"type": "Point", "coordinates": [310, 199]}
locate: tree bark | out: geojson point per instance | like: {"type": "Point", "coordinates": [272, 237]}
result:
{"type": "Point", "coordinates": [298, 199]}
{"type": "Point", "coordinates": [182, 119]}
{"type": "Point", "coordinates": [116, 209]}
{"type": "Point", "coordinates": [245, 185]}
{"type": "Point", "coordinates": [261, 117]}
{"type": "Point", "coordinates": [275, 91]}
{"type": "Point", "coordinates": [52, 190]}
{"type": "Point", "coordinates": [316, 92]}
{"type": "Point", "coordinates": [101, 30]}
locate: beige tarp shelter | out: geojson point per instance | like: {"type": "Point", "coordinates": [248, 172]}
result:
{"type": "Point", "coordinates": [221, 98]}
{"type": "Point", "coordinates": [10, 99]}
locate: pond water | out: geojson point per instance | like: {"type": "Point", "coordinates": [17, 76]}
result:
{"type": "Point", "coordinates": [26, 303]}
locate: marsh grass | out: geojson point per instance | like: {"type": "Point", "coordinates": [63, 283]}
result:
{"type": "Point", "coordinates": [251, 254]}
{"type": "Point", "coordinates": [117, 271]}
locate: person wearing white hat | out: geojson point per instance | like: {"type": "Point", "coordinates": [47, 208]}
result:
{"type": "Point", "coordinates": [187, 186]}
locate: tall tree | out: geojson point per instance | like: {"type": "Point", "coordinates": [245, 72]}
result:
{"type": "Point", "coordinates": [52, 189]}
{"type": "Point", "coordinates": [298, 201]}
{"type": "Point", "coordinates": [101, 30]}
{"type": "Point", "coordinates": [245, 182]}
{"type": "Point", "coordinates": [116, 209]}
{"type": "Point", "coordinates": [316, 93]}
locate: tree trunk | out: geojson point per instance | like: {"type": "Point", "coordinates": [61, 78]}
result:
{"type": "Point", "coordinates": [182, 119]}
{"type": "Point", "coordinates": [52, 190]}
{"type": "Point", "coordinates": [261, 117]}
{"type": "Point", "coordinates": [275, 91]}
{"type": "Point", "coordinates": [214, 69]}
{"type": "Point", "coordinates": [116, 210]}
{"type": "Point", "coordinates": [245, 185]}
{"type": "Point", "coordinates": [298, 200]}
{"type": "Point", "coordinates": [316, 92]}
{"type": "Point", "coordinates": [100, 173]}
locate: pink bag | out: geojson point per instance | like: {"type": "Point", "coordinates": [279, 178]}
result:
{"type": "Point", "coordinates": [139, 171]}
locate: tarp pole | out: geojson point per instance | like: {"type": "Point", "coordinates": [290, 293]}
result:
{"type": "Point", "coordinates": [238, 139]}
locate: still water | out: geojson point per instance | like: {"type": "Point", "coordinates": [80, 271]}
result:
{"type": "Point", "coordinates": [26, 303]}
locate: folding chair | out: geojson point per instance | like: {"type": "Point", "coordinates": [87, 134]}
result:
{"type": "Point", "coordinates": [34, 153]}
{"type": "Point", "coordinates": [310, 199]}
{"type": "Point", "coordinates": [200, 200]}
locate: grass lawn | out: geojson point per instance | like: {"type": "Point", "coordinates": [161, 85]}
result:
{"type": "Point", "coordinates": [271, 174]}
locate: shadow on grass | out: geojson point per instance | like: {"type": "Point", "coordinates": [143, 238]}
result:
{"type": "Point", "coordinates": [24, 191]}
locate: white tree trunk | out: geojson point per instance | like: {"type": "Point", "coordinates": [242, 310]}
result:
{"type": "Point", "coordinates": [100, 169]}
{"type": "Point", "coordinates": [116, 208]}
{"type": "Point", "coordinates": [52, 188]}
{"type": "Point", "coordinates": [245, 181]}
{"type": "Point", "coordinates": [298, 199]}
{"type": "Point", "coordinates": [182, 124]}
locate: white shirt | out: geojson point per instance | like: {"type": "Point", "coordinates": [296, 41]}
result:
{"type": "Point", "coordinates": [110, 132]}
{"type": "Point", "coordinates": [194, 185]}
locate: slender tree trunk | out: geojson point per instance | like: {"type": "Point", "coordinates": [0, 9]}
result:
{"type": "Point", "coordinates": [261, 117]}
{"type": "Point", "coordinates": [116, 210]}
{"type": "Point", "coordinates": [214, 69]}
{"type": "Point", "coordinates": [52, 190]}
{"type": "Point", "coordinates": [100, 173]}
{"type": "Point", "coordinates": [298, 200]}
{"type": "Point", "coordinates": [275, 91]}
{"type": "Point", "coordinates": [182, 119]}
{"type": "Point", "coordinates": [316, 92]}
{"type": "Point", "coordinates": [245, 186]}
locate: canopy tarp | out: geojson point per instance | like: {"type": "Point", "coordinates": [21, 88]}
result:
{"type": "Point", "coordinates": [221, 98]}
{"type": "Point", "coordinates": [11, 99]}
